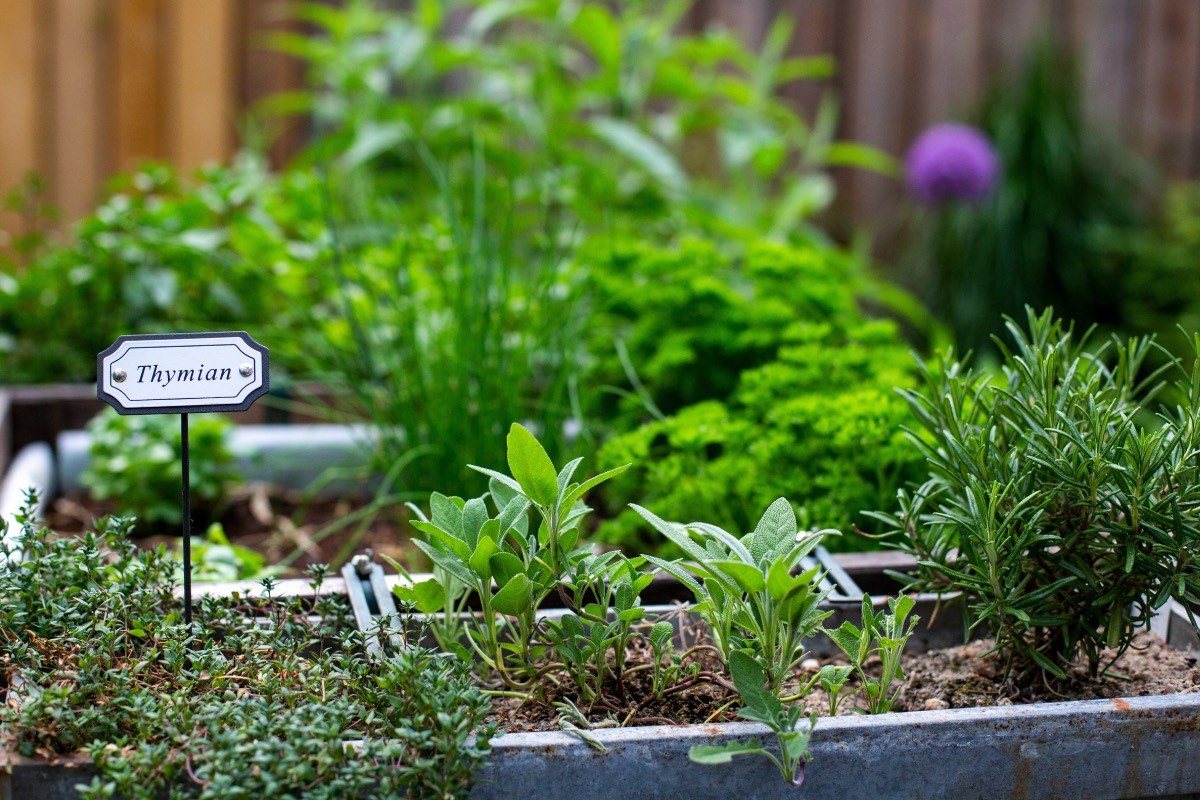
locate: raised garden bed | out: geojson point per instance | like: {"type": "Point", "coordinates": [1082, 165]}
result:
{"type": "Point", "coordinates": [1063, 577]}
{"type": "Point", "coordinates": [1135, 747]}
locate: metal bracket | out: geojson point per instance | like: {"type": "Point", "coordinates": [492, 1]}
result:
{"type": "Point", "coordinates": [841, 587]}
{"type": "Point", "coordinates": [371, 601]}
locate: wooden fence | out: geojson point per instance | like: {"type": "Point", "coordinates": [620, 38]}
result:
{"type": "Point", "coordinates": [88, 87]}
{"type": "Point", "coordinates": [91, 87]}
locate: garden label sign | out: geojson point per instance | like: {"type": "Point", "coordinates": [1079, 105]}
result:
{"type": "Point", "coordinates": [182, 373]}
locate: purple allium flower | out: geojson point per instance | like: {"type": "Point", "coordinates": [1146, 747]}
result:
{"type": "Point", "coordinates": [951, 162]}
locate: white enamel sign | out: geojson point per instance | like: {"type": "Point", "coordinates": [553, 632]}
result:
{"type": "Point", "coordinates": [181, 373]}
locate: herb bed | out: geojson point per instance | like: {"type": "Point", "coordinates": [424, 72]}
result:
{"type": "Point", "coordinates": [1048, 569]}
{"type": "Point", "coordinates": [1124, 747]}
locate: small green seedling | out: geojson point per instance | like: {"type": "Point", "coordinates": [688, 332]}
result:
{"type": "Point", "coordinates": [833, 679]}
{"type": "Point", "coordinates": [882, 633]}
{"type": "Point", "coordinates": [764, 706]}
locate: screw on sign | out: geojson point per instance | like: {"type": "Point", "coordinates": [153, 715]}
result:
{"type": "Point", "coordinates": [183, 373]}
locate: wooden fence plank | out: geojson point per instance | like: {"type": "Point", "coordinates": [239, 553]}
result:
{"type": "Point", "coordinates": [1150, 68]}
{"type": "Point", "coordinates": [139, 104]}
{"type": "Point", "coordinates": [199, 100]}
{"type": "Point", "coordinates": [1108, 60]}
{"type": "Point", "coordinates": [749, 20]}
{"type": "Point", "coordinates": [264, 72]}
{"type": "Point", "coordinates": [76, 101]}
{"type": "Point", "coordinates": [953, 75]}
{"type": "Point", "coordinates": [816, 35]}
{"type": "Point", "coordinates": [1012, 25]}
{"type": "Point", "coordinates": [18, 98]}
{"type": "Point", "coordinates": [874, 104]}
{"type": "Point", "coordinates": [1176, 41]}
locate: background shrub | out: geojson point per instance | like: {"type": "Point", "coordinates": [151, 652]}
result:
{"type": "Point", "coordinates": [818, 423]}
{"type": "Point", "coordinates": [135, 462]}
{"type": "Point", "coordinates": [159, 255]}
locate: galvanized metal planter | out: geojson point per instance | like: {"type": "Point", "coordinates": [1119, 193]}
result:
{"type": "Point", "coordinates": [1128, 748]}
{"type": "Point", "coordinates": [1132, 748]}
{"type": "Point", "coordinates": [1141, 747]}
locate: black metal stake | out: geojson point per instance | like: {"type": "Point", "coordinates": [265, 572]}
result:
{"type": "Point", "coordinates": [187, 523]}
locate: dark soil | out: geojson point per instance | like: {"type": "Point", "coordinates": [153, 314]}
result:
{"type": "Point", "coordinates": [960, 676]}
{"type": "Point", "coordinates": [955, 677]}
{"type": "Point", "coordinates": [631, 703]}
{"type": "Point", "coordinates": [276, 523]}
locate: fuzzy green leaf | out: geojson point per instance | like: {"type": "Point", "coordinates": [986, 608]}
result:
{"type": "Point", "coordinates": [447, 561]}
{"type": "Point", "coordinates": [515, 598]}
{"type": "Point", "coordinates": [779, 580]}
{"type": "Point", "coordinates": [531, 467]}
{"type": "Point", "coordinates": [749, 678]}
{"type": "Point", "coordinates": [847, 638]}
{"type": "Point", "coordinates": [427, 597]}
{"type": "Point", "coordinates": [474, 515]}
{"type": "Point", "coordinates": [712, 754]}
{"type": "Point", "coordinates": [775, 532]}
{"type": "Point", "coordinates": [749, 579]}
{"type": "Point", "coordinates": [505, 567]}
{"type": "Point", "coordinates": [481, 559]}
{"type": "Point", "coordinates": [661, 634]}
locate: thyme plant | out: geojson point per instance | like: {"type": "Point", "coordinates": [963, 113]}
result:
{"type": "Point", "coordinates": [1055, 502]}
{"type": "Point", "coordinates": [262, 697]}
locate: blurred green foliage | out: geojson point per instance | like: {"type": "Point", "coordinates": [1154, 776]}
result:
{"type": "Point", "coordinates": [607, 117]}
{"type": "Point", "coordinates": [217, 560]}
{"type": "Point", "coordinates": [1162, 287]}
{"type": "Point", "coordinates": [135, 461]}
{"type": "Point", "coordinates": [811, 415]}
{"type": "Point", "coordinates": [232, 250]}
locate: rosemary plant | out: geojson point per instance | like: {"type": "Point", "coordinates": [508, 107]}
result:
{"type": "Point", "coordinates": [1064, 511]}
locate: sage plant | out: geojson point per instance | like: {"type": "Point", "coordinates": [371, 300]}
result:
{"type": "Point", "coordinates": [884, 633]}
{"type": "Point", "coordinates": [744, 587]}
{"type": "Point", "coordinates": [510, 564]}
{"type": "Point", "coordinates": [764, 706]}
